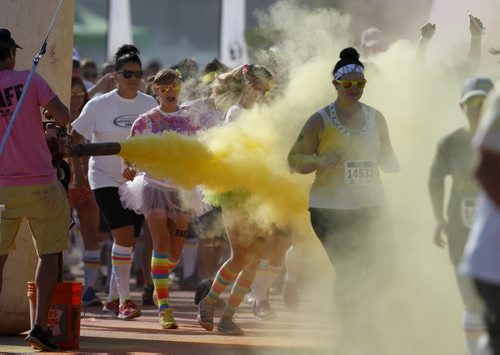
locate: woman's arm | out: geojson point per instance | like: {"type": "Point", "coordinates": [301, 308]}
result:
{"type": "Point", "coordinates": [387, 159]}
{"type": "Point", "coordinates": [303, 156]}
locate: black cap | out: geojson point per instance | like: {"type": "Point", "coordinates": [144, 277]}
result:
{"type": "Point", "coordinates": [6, 40]}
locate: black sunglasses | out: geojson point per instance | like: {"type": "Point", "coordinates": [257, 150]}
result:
{"type": "Point", "coordinates": [127, 74]}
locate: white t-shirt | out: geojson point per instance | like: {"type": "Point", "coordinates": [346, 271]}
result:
{"type": "Point", "coordinates": [108, 118]}
{"type": "Point", "coordinates": [482, 253]}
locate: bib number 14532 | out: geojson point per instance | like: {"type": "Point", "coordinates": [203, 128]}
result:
{"type": "Point", "coordinates": [359, 172]}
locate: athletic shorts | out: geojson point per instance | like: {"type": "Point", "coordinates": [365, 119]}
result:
{"type": "Point", "coordinates": [115, 215]}
{"type": "Point", "coordinates": [45, 206]}
{"type": "Point", "coordinates": [208, 226]}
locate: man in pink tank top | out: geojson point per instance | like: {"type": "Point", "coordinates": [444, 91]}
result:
{"type": "Point", "coordinates": [29, 187]}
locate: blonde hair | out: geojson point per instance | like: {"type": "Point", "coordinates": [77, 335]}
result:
{"type": "Point", "coordinates": [166, 76]}
{"type": "Point", "coordinates": [228, 88]}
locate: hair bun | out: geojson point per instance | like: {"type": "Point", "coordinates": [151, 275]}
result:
{"type": "Point", "coordinates": [127, 49]}
{"type": "Point", "coordinates": [349, 53]}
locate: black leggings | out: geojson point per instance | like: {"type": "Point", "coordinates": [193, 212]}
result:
{"type": "Point", "coordinates": [359, 245]}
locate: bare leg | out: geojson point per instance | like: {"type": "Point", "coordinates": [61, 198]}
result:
{"type": "Point", "coordinates": [3, 260]}
{"type": "Point", "coordinates": [46, 280]}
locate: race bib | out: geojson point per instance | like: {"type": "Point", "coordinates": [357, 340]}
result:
{"type": "Point", "coordinates": [468, 211]}
{"type": "Point", "coordinates": [359, 172]}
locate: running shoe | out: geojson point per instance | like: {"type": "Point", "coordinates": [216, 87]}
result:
{"type": "Point", "coordinates": [206, 314]}
{"type": "Point", "coordinates": [147, 295]}
{"type": "Point", "coordinates": [202, 290]}
{"type": "Point", "coordinates": [112, 307]}
{"type": "Point", "coordinates": [249, 297]}
{"type": "Point", "coordinates": [90, 298]}
{"type": "Point", "coordinates": [263, 311]}
{"type": "Point", "coordinates": [128, 310]}
{"type": "Point", "coordinates": [228, 326]}
{"type": "Point", "coordinates": [167, 320]}
{"type": "Point", "coordinates": [41, 340]}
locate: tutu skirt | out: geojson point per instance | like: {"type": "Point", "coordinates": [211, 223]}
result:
{"type": "Point", "coordinates": [144, 194]}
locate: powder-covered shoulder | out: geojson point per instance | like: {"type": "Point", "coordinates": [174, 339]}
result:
{"type": "Point", "coordinates": [233, 113]}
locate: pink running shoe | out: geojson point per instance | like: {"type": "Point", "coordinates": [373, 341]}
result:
{"type": "Point", "coordinates": [128, 310]}
{"type": "Point", "coordinates": [112, 307]}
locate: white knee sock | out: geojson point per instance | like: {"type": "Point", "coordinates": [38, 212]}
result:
{"type": "Point", "coordinates": [292, 264]}
{"type": "Point", "coordinates": [473, 327]}
{"type": "Point", "coordinates": [113, 288]}
{"type": "Point", "coordinates": [265, 276]}
{"type": "Point", "coordinates": [91, 264]}
{"type": "Point", "coordinates": [121, 259]}
{"type": "Point", "coordinates": [189, 257]}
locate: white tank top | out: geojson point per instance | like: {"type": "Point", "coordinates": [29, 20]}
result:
{"type": "Point", "coordinates": [354, 182]}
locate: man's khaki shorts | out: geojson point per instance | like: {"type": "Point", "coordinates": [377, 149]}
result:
{"type": "Point", "coordinates": [46, 208]}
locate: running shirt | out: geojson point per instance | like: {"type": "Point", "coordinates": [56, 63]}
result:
{"type": "Point", "coordinates": [156, 121]}
{"type": "Point", "coordinates": [233, 113]}
{"type": "Point", "coordinates": [208, 117]}
{"type": "Point", "coordinates": [108, 118]}
{"type": "Point", "coordinates": [481, 256]}
{"type": "Point", "coordinates": [354, 183]}
{"type": "Point", "coordinates": [25, 159]}
{"type": "Point", "coordinates": [454, 157]}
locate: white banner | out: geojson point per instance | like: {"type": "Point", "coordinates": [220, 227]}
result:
{"type": "Point", "coordinates": [119, 26]}
{"type": "Point", "coordinates": [233, 49]}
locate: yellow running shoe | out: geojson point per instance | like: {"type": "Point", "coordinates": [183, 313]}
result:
{"type": "Point", "coordinates": [167, 320]}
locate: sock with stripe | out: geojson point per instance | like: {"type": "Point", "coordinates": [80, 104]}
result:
{"type": "Point", "coordinates": [91, 264]}
{"type": "Point", "coordinates": [160, 269]}
{"type": "Point", "coordinates": [121, 261]}
{"type": "Point", "coordinates": [223, 278]}
{"type": "Point", "coordinates": [292, 263]}
{"type": "Point", "coordinates": [113, 288]}
{"type": "Point", "coordinates": [266, 274]}
{"type": "Point", "coordinates": [240, 289]}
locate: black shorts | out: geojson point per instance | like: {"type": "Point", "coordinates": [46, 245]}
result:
{"type": "Point", "coordinates": [115, 215]}
{"type": "Point", "coordinates": [103, 225]}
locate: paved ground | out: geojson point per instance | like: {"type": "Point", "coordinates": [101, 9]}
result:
{"type": "Point", "coordinates": [290, 333]}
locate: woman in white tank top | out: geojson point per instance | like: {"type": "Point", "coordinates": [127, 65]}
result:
{"type": "Point", "coordinates": [345, 144]}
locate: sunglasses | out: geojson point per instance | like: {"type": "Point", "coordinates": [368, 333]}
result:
{"type": "Point", "coordinates": [347, 84]}
{"type": "Point", "coordinates": [127, 74]}
{"type": "Point", "coordinates": [166, 88]}
{"type": "Point", "coordinates": [77, 94]}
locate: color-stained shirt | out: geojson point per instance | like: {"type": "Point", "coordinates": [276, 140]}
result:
{"type": "Point", "coordinates": [25, 159]}
{"type": "Point", "coordinates": [208, 117]}
{"type": "Point", "coordinates": [156, 121]}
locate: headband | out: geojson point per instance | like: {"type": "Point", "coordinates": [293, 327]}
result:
{"type": "Point", "coordinates": [348, 68]}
